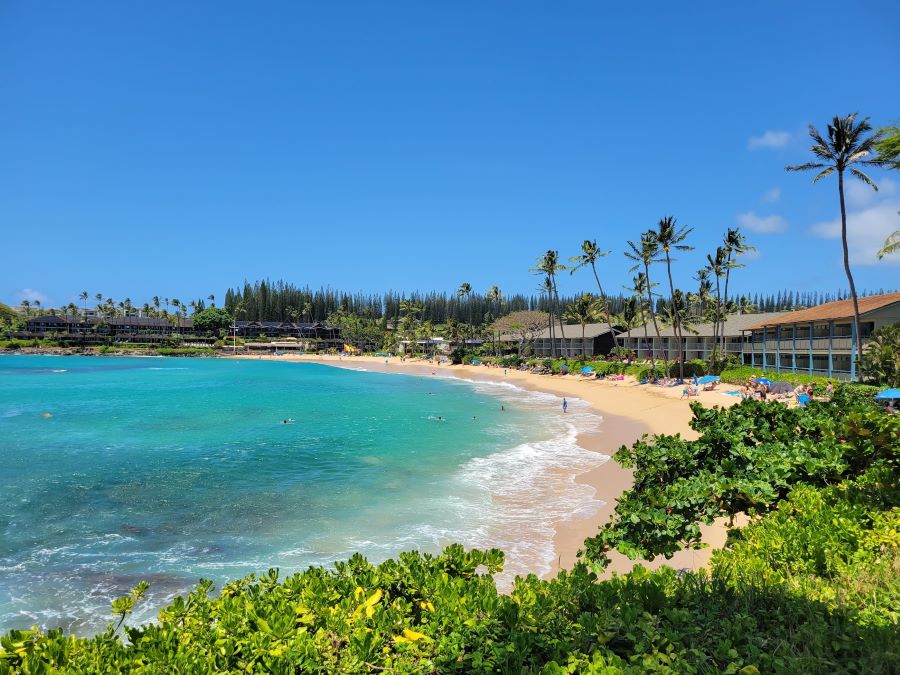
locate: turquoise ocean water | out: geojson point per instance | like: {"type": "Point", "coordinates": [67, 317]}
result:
{"type": "Point", "coordinates": [115, 470]}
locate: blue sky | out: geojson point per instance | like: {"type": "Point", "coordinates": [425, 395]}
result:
{"type": "Point", "coordinates": [180, 148]}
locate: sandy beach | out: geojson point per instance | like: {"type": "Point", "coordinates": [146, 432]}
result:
{"type": "Point", "coordinates": [628, 410]}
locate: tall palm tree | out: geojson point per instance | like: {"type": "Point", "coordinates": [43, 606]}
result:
{"type": "Point", "coordinates": [590, 253]}
{"type": "Point", "coordinates": [26, 305]}
{"type": "Point", "coordinates": [547, 287]}
{"type": "Point", "coordinates": [735, 245]}
{"type": "Point", "coordinates": [586, 309]}
{"type": "Point", "coordinates": [640, 286]}
{"type": "Point", "coordinates": [84, 297]}
{"type": "Point", "coordinates": [847, 147]}
{"type": "Point", "coordinates": [716, 266]}
{"type": "Point", "coordinates": [645, 255]}
{"type": "Point", "coordinates": [212, 299]}
{"type": "Point", "coordinates": [630, 314]}
{"type": "Point", "coordinates": [495, 296]}
{"type": "Point", "coordinates": [99, 298]}
{"type": "Point", "coordinates": [465, 291]}
{"type": "Point", "coordinates": [669, 238]}
{"type": "Point", "coordinates": [549, 265]}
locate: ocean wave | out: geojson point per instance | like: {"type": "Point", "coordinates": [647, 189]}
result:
{"type": "Point", "coordinates": [533, 489]}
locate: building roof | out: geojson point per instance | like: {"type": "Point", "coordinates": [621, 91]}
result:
{"type": "Point", "coordinates": [734, 324]}
{"type": "Point", "coordinates": [573, 330]}
{"type": "Point", "coordinates": [841, 309]}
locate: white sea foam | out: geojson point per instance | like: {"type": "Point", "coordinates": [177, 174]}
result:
{"type": "Point", "coordinates": [532, 487]}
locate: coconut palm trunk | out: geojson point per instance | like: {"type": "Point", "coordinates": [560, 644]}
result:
{"type": "Point", "coordinates": [847, 268]}
{"type": "Point", "coordinates": [677, 319]}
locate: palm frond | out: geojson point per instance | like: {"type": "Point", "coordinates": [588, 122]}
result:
{"type": "Point", "coordinates": [891, 245]}
{"type": "Point", "coordinates": [826, 172]}
{"type": "Point", "coordinates": [809, 166]}
{"type": "Point", "coordinates": [863, 177]}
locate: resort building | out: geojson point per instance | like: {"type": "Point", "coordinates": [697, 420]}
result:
{"type": "Point", "coordinates": [122, 328]}
{"type": "Point", "coordinates": [568, 341]}
{"type": "Point", "coordinates": [820, 340]}
{"type": "Point", "coordinates": [698, 339]}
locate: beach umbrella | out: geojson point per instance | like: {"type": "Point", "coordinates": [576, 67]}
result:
{"type": "Point", "coordinates": [888, 395]}
{"type": "Point", "coordinates": [780, 388]}
{"type": "Point", "coordinates": [763, 380]}
{"type": "Point", "coordinates": [708, 378]}
{"type": "Point", "coordinates": [586, 370]}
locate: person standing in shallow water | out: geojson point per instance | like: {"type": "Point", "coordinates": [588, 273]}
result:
{"type": "Point", "coordinates": [565, 405]}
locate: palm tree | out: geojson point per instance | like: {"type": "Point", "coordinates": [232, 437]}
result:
{"type": "Point", "coordinates": [640, 286]}
{"type": "Point", "coordinates": [589, 256]}
{"type": "Point", "coordinates": [494, 296]}
{"type": "Point", "coordinates": [26, 306]}
{"type": "Point", "coordinates": [735, 245]}
{"type": "Point", "coordinates": [716, 267]}
{"type": "Point", "coordinates": [84, 297]}
{"type": "Point", "coordinates": [465, 291]}
{"type": "Point", "coordinates": [645, 255]}
{"type": "Point", "coordinates": [630, 314]}
{"type": "Point", "coordinates": [549, 265]}
{"type": "Point", "coordinates": [669, 238]}
{"type": "Point", "coordinates": [454, 331]}
{"type": "Point", "coordinates": [99, 298]}
{"type": "Point", "coordinates": [584, 310]}
{"type": "Point", "coordinates": [547, 287]}
{"type": "Point", "coordinates": [212, 299]}
{"type": "Point", "coordinates": [847, 147]}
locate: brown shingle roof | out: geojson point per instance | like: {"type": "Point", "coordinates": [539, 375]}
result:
{"type": "Point", "coordinates": [841, 309]}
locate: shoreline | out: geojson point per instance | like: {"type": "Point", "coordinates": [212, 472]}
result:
{"type": "Point", "coordinates": [628, 412]}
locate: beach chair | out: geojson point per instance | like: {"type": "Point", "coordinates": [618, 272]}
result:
{"type": "Point", "coordinates": [802, 400]}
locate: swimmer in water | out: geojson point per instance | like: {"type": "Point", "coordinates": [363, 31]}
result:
{"type": "Point", "coordinates": [502, 408]}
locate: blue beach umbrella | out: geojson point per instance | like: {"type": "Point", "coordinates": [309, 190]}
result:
{"type": "Point", "coordinates": [889, 395]}
{"type": "Point", "coordinates": [708, 378]}
{"type": "Point", "coordinates": [586, 370]}
{"type": "Point", "coordinates": [763, 380]}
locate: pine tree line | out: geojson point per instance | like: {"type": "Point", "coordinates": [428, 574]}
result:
{"type": "Point", "coordinates": [283, 301]}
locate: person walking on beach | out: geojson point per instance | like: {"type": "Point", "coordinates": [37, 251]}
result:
{"type": "Point", "coordinates": [565, 405]}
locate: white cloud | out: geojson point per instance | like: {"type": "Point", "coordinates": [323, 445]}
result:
{"type": "Point", "coordinates": [31, 295]}
{"type": "Point", "coordinates": [769, 139]}
{"type": "Point", "coordinates": [866, 231]}
{"type": "Point", "coordinates": [762, 224]}
{"type": "Point", "coordinates": [772, 195]}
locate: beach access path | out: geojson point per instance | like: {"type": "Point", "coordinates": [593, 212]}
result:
{"type": "Point", "coordinates": [628, 409]}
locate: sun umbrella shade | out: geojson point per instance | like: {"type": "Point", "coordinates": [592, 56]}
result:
{"type": "Point", "coordinates": [586, 370]}
{"type": "Point", "coordinates": [889, 394]}
{"type": "Point", "coordinates": [780, 388]}
{"type": "Point", "coordinates": [708, 378]}
{"type": "Point", "coordinates": [763, 380]}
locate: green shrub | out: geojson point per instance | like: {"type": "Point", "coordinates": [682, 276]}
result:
{"type": "Point", "coordinates": [744, 373]}
{"type": "Point", "coordinates": [746, 459]}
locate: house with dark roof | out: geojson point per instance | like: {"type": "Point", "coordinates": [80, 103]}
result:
{"type": "Point", "coordinates": [820, 340]}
